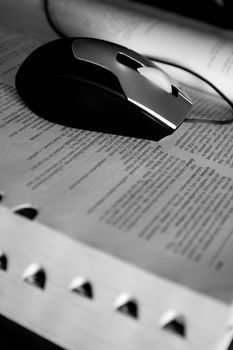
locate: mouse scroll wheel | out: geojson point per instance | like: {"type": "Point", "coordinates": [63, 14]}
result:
{"type": "Point", "coordinates": [128, 61]}
{"type": "Point", "coordinates": [157, 77]}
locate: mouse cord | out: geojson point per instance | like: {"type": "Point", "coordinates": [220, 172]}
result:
{"type": "Point", "coordinates": [220, 93]}
{"type": "Point", "coordinates": [159, 60]}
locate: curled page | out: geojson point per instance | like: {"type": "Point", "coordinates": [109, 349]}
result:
{"type": "Point", "coordinates": [152, 33]}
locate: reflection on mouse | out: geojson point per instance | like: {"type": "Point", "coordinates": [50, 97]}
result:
{"type": "Point", "coordinates": [98, 85]}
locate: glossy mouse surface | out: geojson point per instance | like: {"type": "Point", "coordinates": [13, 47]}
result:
{"type": "Point", "coordinates": [97, 85]}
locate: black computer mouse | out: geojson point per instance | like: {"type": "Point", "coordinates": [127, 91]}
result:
{"type": "Point", "coordinates": [98, 85]}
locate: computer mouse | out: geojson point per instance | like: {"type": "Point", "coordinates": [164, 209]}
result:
{"type": "Point", "coordinates": [98, 85]}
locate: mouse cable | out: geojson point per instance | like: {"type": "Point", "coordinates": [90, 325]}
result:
{"type": "Point", "coordinates": [162, 61]}
{"type": "Point", "coordinates": [188, 70]}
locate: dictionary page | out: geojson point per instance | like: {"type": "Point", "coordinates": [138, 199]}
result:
{"type": "Point", "coordinates": [163, 206]}
{"type": "Point", "coordinates": [206, 50]}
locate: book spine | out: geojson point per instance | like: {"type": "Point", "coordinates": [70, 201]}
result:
{"type": "Point", "coordinates": [77, 296]}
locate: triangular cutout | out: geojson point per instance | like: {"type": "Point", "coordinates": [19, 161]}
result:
{"type": "Point", "coordinates": [130, 308]}
{"type": "Point", "coordinates": [176, 327]}
{"type": "Point", "coordinates": [127, 305]}
{"type": "Point", "coordinates": [82, 287]}
{"type": "Point", "coordinates": [27, 211]}
{"type": "Point", "coordinates": [35, 275]}
{"type": "Point", "coordinates": [175, 324]}
{"type": "Point", "coordinates": [3, 262]}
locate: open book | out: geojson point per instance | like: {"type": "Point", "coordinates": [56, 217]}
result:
{"type": "Point", "coordinates": [130, 241]}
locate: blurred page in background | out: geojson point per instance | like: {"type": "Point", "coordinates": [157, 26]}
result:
{"type": "Point", "coordinates": [216, 12]}
{"type": "Point", "coordinates": [153, 33]}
